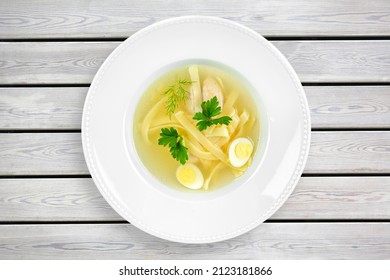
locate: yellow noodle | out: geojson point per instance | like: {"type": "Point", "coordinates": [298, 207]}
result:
{"type": "Point", "coordinates": [220, 136]}
{"type": "Point", "coordinates": [195, 95]}
{"type": "Point", "coordinates": [233, 124]}
{"type": "Point", "coordinates": [244, 117]}
{"type": "Point", "coordinates": [221, 131]}
{"type": "Point", "coordinates": [214, 139]}
{"type": "Point", "coordinates": [199, 149]}
{"type": "Point", "coordinates": [163, 119]}
{"type": "Point", "coordinates": [212, 173]}
{"type": "Point", "coordinates": [232, 112]}
{"type": "Point", "coordinates": [230, 100]}
{"type": "Point", "coordinates": [209, 130]}
{"type": "Point", "coordinates": [250, 123]}
{"type": "Point", "coordinates": [193, 158]}
{"type": "Point", "coordinates": [158, 127]}
{"type": "Point", "coordinates": [148, 120]}
{"type": "Point", "coordinates": [199, 153]}
{"type": "Point", "coordinates": [237, 173]}
{"type": "Point", "coordinates": [191, 129]}
{"type": "Point", "coordinates": [247, 127]}
{"type": "Point", "coordinates": [221, 142]}
{"type": "Point", "coordinates": [195, 142]}
{"type": "Point", "coordinates": [219, 80]}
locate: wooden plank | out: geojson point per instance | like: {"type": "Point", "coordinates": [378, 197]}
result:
{"type": "Point", "coordinates": [61, 108]}
{"type": "Point", "coordinates": [357, 152]}
{"type": "Point", "coordinates": [338, 61]}
{"type": "Point", "coordinates": [268, 241]}
{"type": "Point", "coordinates": [53, 200]}
{"type": "Point", "coordinates": [120, 18]}
{"type": "Point", "coordinates": [349, 152]}
{"type": "Point", "coordinates": [41, 108]}
{"type": "Point", "coordinates": [51, 63]}
{"type": "Point", "coordinates": [77, 62]}
{"type": "Point", "coordinates": [37, 200]}
{"type": "Point", "coordinates": [42, 153]}
{"type": "Point", "coordinates": [338, 198]}
{"type": "Point", "coordinates": [349, 106]}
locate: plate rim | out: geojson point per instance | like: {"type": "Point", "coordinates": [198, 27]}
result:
{"type": "Point", "coordinates": [305, 141]}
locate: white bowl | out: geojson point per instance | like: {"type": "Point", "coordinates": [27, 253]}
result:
{"type": "Point", "coordinates": [107, 130]}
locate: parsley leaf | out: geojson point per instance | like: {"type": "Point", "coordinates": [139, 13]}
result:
{"type": "Point", "coordinates": [170, 137]}
{"type": "Point", "coordinates": [210, 109]}
{"type": "Point", "coordinates": [203, 121]}
{"type": "Point", "coordinates": [222, 120]}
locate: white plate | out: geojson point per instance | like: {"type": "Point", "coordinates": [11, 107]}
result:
{"type": "Point", "coordinates": [181, 216]}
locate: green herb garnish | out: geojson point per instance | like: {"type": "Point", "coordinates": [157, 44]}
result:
{"type": "Point", "coordinates": [170, 137]}
{"type": "Point", "coordinates": [210, 109]}
{"type": "Point", "coordinates": [176, 94]}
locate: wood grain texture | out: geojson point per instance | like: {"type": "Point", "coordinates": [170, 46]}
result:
{"type": "Point", "coordinates": [349, 152]}
{"type": "Point", "coordinates": [42, 153]}
{"type": "Point", "coordinates": [61, 153]}
{"type": "Point", "coordinates": [26, 61]}
{"type": "Point", "coordinates": [53, 200]}
{"type": "Point", "coordinates": [349, 106]}
{"type": "Point", "coordinates": [268, 241]}
{"type": "Point", "coordinates": [61, 108]}
{"type": "Point", "coordinates": [338, 61]}
{"type": "Point", "coordinates": [338, 198]}
{"type": "Point", "coordinates": [51, 62]}
{"type": "Point", "coordinates": [37, 200]}
{"type": "Point", "coordinates": [41, 108]}
{"type": "Point", "coordinates": [120, 18]}
{"type": "Point", "coordinates": [78, 62]}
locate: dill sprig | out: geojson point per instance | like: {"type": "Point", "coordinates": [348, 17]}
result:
{"type": "Point", "coordinates": [176, 94]}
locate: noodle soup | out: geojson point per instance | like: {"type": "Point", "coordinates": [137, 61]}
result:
{"type": "Point", "coordinates": [196, 127]}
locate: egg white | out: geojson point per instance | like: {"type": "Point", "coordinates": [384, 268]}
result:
{"type": "Point", "coordinates": [198, 183]}
{"type": "Point", "coordinates": [234, 160]}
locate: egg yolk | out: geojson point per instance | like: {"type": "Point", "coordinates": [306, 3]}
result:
{"type": "Point", "coordinates": [186, 176]}
{"type": "Point", "coordinates": [243, 150]}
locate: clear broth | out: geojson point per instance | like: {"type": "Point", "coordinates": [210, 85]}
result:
{"type": "Point", "coordinates": [156, 158]}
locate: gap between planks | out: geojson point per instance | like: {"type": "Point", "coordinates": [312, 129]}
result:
{"type": "Point", "coordinates": [269, 38]}
{"type": "Point", "coordinates": [109, 222]}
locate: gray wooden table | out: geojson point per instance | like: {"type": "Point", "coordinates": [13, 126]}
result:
{"type": "Point", "coordinates": [51, 49]}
